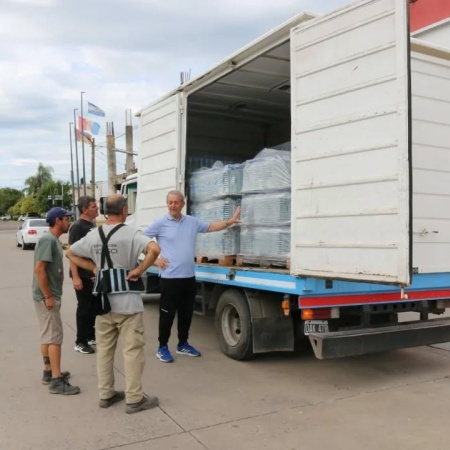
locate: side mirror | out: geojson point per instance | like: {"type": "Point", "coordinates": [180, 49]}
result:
{"type": "Point", "coordinates": [102, 202]}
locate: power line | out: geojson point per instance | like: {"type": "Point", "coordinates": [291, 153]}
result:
{"type": "Point", "coordinates": [103, 144]}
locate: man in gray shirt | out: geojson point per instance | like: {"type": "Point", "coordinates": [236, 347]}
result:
{"type": "Point", "coordinates": [125, 317]}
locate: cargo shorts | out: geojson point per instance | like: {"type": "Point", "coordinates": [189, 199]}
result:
{"type": "Point", "coordinates": [50, 323]}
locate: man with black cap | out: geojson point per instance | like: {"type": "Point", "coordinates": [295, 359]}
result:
{"type": "Point", "coordinates": [47, 292]}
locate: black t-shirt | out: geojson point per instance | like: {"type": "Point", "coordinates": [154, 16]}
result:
{"type": "Point", "coordinates": [77, 231]}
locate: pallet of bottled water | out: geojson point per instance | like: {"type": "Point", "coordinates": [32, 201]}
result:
{"type": "Point", "coordinates": [273, 208]}
{"type": "Point", "coordinates": [218, 244]}
{"type": "Point", "coordinates": [219, 181]}
{"type": "Point", "coordinates": [269, 242]}
{"type": "Point", "coordinates": [270, 170]}
{"type": "Point", "coordinates": [215, 210]}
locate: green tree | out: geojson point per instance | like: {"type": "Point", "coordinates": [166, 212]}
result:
{"type": "Point", "coordinates": [14, 211]}
{"type": "Point", "coordinates": [35, 183]}
{"type": "Point", "coordinates": [8, 197]}
{"type": "Point", "coordinates": [54, 188]}
{"type": "Point", "coordinates": [25, 205]}
{"type": "Point", "coordinates": [29, 205]}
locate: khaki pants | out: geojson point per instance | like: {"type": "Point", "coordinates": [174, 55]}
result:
{"type": "Point", "coordinates": [130, 328]}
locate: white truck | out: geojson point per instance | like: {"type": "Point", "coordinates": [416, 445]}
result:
{"type": "Point", "coordinates": [367, 110]}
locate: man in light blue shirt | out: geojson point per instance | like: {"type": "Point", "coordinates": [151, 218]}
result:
{"type": "Point", "coordinates": [176, 234]}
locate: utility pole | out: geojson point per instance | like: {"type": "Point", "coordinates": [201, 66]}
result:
{"type": "Point", "coordinates": [110, 146]}
{"type": "Point", "coordinates": [76, 149]}
{"type": "Point", "coordinates": [71, 170]}
{"type": "Point", "coordinates": [129, 142]}
{"type": "Point", "coordinates": [93, 167]}
{"type": "Point", "coordinates": [82, 145]}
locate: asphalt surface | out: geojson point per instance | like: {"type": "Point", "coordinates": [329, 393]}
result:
{"type": "Point", "coordinates": [397, 400]}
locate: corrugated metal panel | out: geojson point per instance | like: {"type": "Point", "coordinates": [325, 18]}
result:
{"type": "Point", "coordinates": [350, 136]}
{"type": "Point", "coordinates": [160, 149]}
{"type": "Point", "coordinates": [431, 162]}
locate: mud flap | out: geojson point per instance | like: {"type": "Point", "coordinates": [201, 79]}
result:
{"type": "Point", "coordinates": [273, 334]}
{"type": "Point", "coordinates": [272, 331]}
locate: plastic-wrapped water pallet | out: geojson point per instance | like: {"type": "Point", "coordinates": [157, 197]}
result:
{"type": "Point", "coordinates": [273, 208]}
{"type": "Point", "coordinates": [219, 181]}
{"type": "Point", "coordinates": [217, 244]}
{"type": "Point", "coordinates": [270, 170]}
{"type": "Point", "coordinates": [220, 209]}
{"type": "Point", "coordinates": [205, 161]}
{"type": "Point", "coordinates": [270, 242]}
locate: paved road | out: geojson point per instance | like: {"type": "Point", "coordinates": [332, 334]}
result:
{"type": "Point", "coordinates": [393, 401]}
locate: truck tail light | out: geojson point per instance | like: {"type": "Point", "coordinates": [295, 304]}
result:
{"type": "Point", "coordinates": [320, 313]}
{"type": "Point", "coordinates": [285, 306]}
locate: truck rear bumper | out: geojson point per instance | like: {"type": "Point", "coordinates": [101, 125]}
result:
{"type": "Point", "coordinates": [372, 340]}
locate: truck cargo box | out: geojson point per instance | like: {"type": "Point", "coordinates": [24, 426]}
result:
{"type": "Point", "coordinates": [367, 113]}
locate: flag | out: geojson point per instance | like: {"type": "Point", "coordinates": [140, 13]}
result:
{"type": "Point", "coordinates": [95, 128]}
{"type": "Point", "coordinates": [88, 125]}
{"type": "Point", "coordinates": [84, 124]}
{"type": "Point", "coordinates": [95, 110]}
{"type": "Point", "coordinates": [86, 136]}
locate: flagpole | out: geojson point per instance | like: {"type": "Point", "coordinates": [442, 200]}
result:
{"type": "Point", "coordinates": [76, 151]}
{"type": "Point", "coordinates": [82, 145]}
{"type": "Point", "coordinates": [71, 169]}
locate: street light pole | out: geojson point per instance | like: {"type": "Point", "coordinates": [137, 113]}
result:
{"type": "Point", "coordinates": [76, 150]}
{"type": "Point", "coordinates": [82, 146]}
{"type": "Point", "coordinates": [71, 168]}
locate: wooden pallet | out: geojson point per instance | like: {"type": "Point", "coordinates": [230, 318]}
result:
{"type": "Point", "coordinates": [263, 262]}
{"type": "Point", "coordinates": [225, 260]}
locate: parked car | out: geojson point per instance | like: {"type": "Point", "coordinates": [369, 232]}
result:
{"type": "Point", "coordinates": [5, 217]}
{"type": "Point", "coordinates": [30, 231]}
{"type": "Point", "coordinates": [28, 216]}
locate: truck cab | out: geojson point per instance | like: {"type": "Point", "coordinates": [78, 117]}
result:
{"type": "Point", "coordinates": [129, 189]}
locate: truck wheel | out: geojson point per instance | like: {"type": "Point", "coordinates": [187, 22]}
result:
{"type": "Point", "coordinates": [233, 325]}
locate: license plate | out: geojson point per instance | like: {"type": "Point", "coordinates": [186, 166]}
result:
{"type": "Point", "coordinates": [316, 326]}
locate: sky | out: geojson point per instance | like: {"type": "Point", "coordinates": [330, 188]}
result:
{"type": "Point", "coordinates": [123, 54]}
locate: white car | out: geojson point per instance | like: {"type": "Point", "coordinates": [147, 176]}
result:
{"type": "Point", "coordinates": [30, 231]}
{"type": "Point", "coordinates": [28, 216]}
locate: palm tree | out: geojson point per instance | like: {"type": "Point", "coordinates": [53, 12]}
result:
{"type": "Point", "coordinates": [34, 183]}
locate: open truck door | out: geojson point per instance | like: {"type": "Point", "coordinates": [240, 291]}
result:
{"type": "Point", "coordinates": [351, 145]}
{"type": "Point", "coordinates": [160, 158]}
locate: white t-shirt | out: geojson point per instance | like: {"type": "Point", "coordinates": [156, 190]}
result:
{"type": "Point", "coordinates": [124, 247]}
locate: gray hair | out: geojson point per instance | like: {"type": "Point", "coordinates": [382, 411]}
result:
{"type": "Point", "coordinates": [114, 204]}
{"type": "Point", "coordinates": [84, 202]}
{"type": "Point", "coordinates": [179, 193]}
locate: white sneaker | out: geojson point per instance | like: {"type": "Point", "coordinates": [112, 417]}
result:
{"type": "Point", "coordinates": [84, 348]}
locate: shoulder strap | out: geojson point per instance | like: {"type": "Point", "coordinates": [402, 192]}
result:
{"type": "Point", "coordinates": [105, 253]}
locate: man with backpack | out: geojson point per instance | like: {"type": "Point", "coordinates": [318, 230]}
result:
{"type": "Point", "coordinates": [112, 251]}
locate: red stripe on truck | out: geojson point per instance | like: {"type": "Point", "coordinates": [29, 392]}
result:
{"type": "Point", "coordinates": [358, 299]}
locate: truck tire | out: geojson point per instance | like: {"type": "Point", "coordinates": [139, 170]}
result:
{"type": "Point", "coordinates": [234, 326]}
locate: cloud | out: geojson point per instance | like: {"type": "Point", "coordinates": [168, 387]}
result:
{"type": "Point", "coordinates": [122, 54]}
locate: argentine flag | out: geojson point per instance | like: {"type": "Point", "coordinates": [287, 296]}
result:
{"type": "Point", "coordinates": [95, 110]}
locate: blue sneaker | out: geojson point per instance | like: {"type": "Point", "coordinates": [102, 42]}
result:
{"type": "Point", "coordinates": [163, 354]}
{"type": "Point", "coordinates": [188, 350]}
